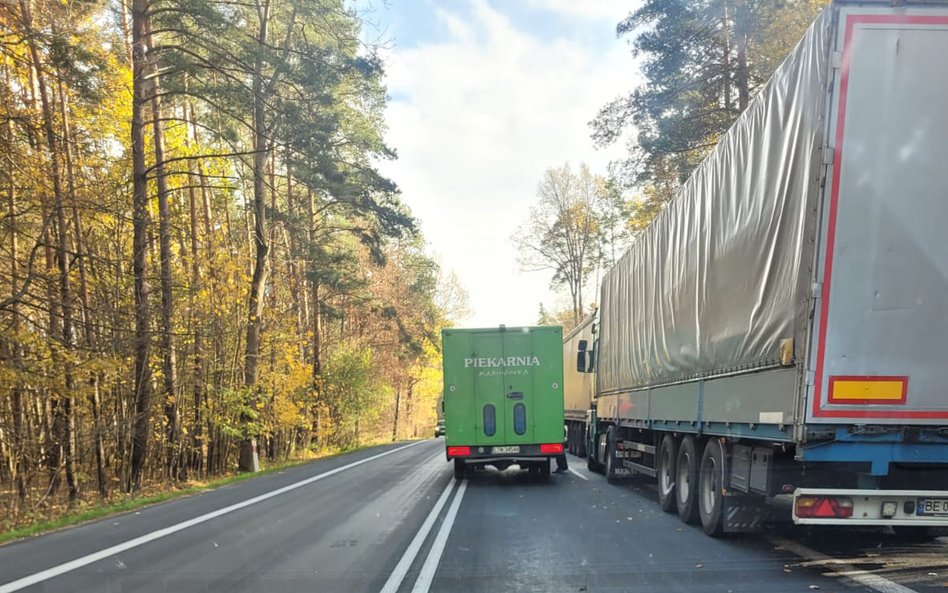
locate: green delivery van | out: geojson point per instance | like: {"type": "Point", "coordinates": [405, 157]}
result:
{"type": "Point", "coordinates": [503, 397]}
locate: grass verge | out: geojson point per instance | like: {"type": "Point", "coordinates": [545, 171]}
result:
{"type": "Point", "coordinates": [130, 503]}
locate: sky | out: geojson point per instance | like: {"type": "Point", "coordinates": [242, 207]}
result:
{"type": "Point", "coordinates": [484, 96]}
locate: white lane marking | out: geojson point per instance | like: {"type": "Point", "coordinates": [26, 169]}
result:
{"type": "Point", "coordinates": [841, 568]}
{"type": "Point", "coordinates": [56, 571]}
{"type": "Point", "coordinates": [577, 474]}
{"type": "Point", "coordinates": [423, 583]}
{"type": "Point", "coordinates": [408, 557]}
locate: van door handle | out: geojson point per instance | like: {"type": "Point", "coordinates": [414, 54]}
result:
{"type": "Point", "coordinates": [515, 395]}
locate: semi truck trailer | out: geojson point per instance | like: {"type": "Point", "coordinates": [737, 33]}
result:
{"type": "Point", "coordinates": [503, 397]}
{"type": "Point", "coordinates": [578, 387]}
{"type": "Point", "coordinates": [781, 328]}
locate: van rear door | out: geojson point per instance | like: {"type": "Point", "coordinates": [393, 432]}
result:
{"type": "Point", "coordinates": [518, 387]}
{"type": "Point", "coordinates": [488, 404]}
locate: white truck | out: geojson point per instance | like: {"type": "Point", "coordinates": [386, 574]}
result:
{"type": "Point", "coordinates": [782, 326]}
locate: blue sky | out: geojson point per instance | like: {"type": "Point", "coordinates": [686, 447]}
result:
{"type": "Point", "coordinates": [486, 95]}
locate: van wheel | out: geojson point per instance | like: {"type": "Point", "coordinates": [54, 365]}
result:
{"type": "Point", "coordinates": [544, 469]}
{"type": "Point", "coordinates": [711, 489]}
{"type": "Point", "coordinates": [686, 480]}
{"type": "Point", "coordinates": [460, 469]}
{"type": "Point", "coordinates": [667, 452]}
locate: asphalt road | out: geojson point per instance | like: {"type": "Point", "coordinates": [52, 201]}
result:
{"type": "Point", "coordinates": [392, 519]}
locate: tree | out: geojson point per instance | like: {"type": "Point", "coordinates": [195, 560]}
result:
{"type": "Point", "coordinates": [561, 316]}
{"type": "Point", "coordinates": [564, 230]}
{"type": "Point", "coordinates": [703, 60]}
{"type": "Point", "coordinates": [140, 224]}
{"type": "Point", "coordinates": [149, 121]}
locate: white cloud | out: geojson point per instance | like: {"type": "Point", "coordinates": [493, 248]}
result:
{"type": "Point", "coordinates": [475, 121]}
{"type": "Point", "coordinates": [614, 10]}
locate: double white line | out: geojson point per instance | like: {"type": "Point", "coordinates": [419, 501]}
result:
{"type": "Point", "coordinates": [428, 569]}
{"type": "Point", "coordinates": [55, 571]}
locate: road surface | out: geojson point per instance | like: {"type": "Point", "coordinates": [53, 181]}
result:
{"type": "Point", "coordinates": [392, 519]}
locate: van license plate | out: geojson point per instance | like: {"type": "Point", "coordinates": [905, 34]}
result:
{"type": "Point", "coordinates": [932, 506]}
{"type": "Point", "coordinates": [506, 450]}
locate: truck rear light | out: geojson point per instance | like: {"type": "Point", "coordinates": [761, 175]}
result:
{"type": "Point", "coordinates": [838, 507]}
{"type": "Point", "coordinates": [459, 451]}
{"type": "Point", "coordinates": [551, 448]}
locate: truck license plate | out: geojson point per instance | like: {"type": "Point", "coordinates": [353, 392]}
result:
{"type": "Point", "coordinates": [506, 450]}
{"type": "Point", "coordinates": [932, 506]}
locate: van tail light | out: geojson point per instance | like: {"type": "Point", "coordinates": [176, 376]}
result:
{"type": "Point", "coordinates": [459, 451]}
{"type": "Point", "coordinates": [830, 507]}
{"type": "Point", "coordinates": [551, 448]}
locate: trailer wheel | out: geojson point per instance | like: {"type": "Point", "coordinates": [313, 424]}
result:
{"type": "Point", "coordinates": [686, 480]}
{"type": "Point", "coordinates": [711, 488]}
{"type": "Point", "coordinates": [581, 440]}
{"type": "Point", "coordinates": [460, 469]}
{"type": "Point", "coordinates": [667, 452]}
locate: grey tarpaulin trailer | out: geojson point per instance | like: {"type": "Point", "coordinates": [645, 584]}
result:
{"type": "Point", "coordinates": [782, 326]}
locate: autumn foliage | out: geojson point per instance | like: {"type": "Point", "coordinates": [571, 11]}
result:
{"type": "Point", "coordinates": [196, 249]}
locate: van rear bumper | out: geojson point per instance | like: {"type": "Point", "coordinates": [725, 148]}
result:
{"type": "Point", "coordinates": [488, 452]}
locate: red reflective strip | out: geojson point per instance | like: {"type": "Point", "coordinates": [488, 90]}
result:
{"type": "Point", "coordinates": [459, 451]}
{"type": "Point", "coordinates": [551, 448]}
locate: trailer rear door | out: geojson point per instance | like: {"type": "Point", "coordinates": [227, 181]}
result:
{"type": "Point", "coordinates": [881, 322]}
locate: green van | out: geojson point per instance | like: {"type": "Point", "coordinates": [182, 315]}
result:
{"type": "Point", "coordinates": [503, 397]}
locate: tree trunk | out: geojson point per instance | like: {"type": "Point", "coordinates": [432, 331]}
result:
{"type": "Point", "coordinates": [198, 362]}
{"type": "Point", "coordinates": [726, 55]}
{"type": "Point", "coordinates": [741, 32]}
{"type": "Point", "coordinates": [261, 248]}
{"type": "Point", "coordinates": [398, 399]}
{"type": "Point", "coordinates": [89, 339]}
{"type": "Point", "coordinates": [64, 435]}
{"type": "Point", "coordinates": [197, 441]}
{"type": "Point", "coordinates": [169, 359]}
{"type": "Point", "coordinates": [142, 379]}
{"type": "Point", "coordinates": [16, 349]}
{"type": "Point", "coordinates": [315, 309]}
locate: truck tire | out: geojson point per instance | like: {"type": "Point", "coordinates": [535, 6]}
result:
{"type": "Point", "coordinates": [667, 452]}
{"type": "Point", "coordinates": [460, 469]}
{"type": "Point", "coordinates": [711, 488]}
{"type": "Point", "coordinates": [581, 440]}
{"type": "Point", "coordinates": [593, 464]}
{"type": "Point", "coordinates": [686, 480]}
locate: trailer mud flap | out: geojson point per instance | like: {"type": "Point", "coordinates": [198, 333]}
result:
{"type": "Point", "coordinates": [743, 514]}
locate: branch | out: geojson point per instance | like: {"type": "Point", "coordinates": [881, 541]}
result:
{"type": "Point", "coordinates": [18, 296]}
